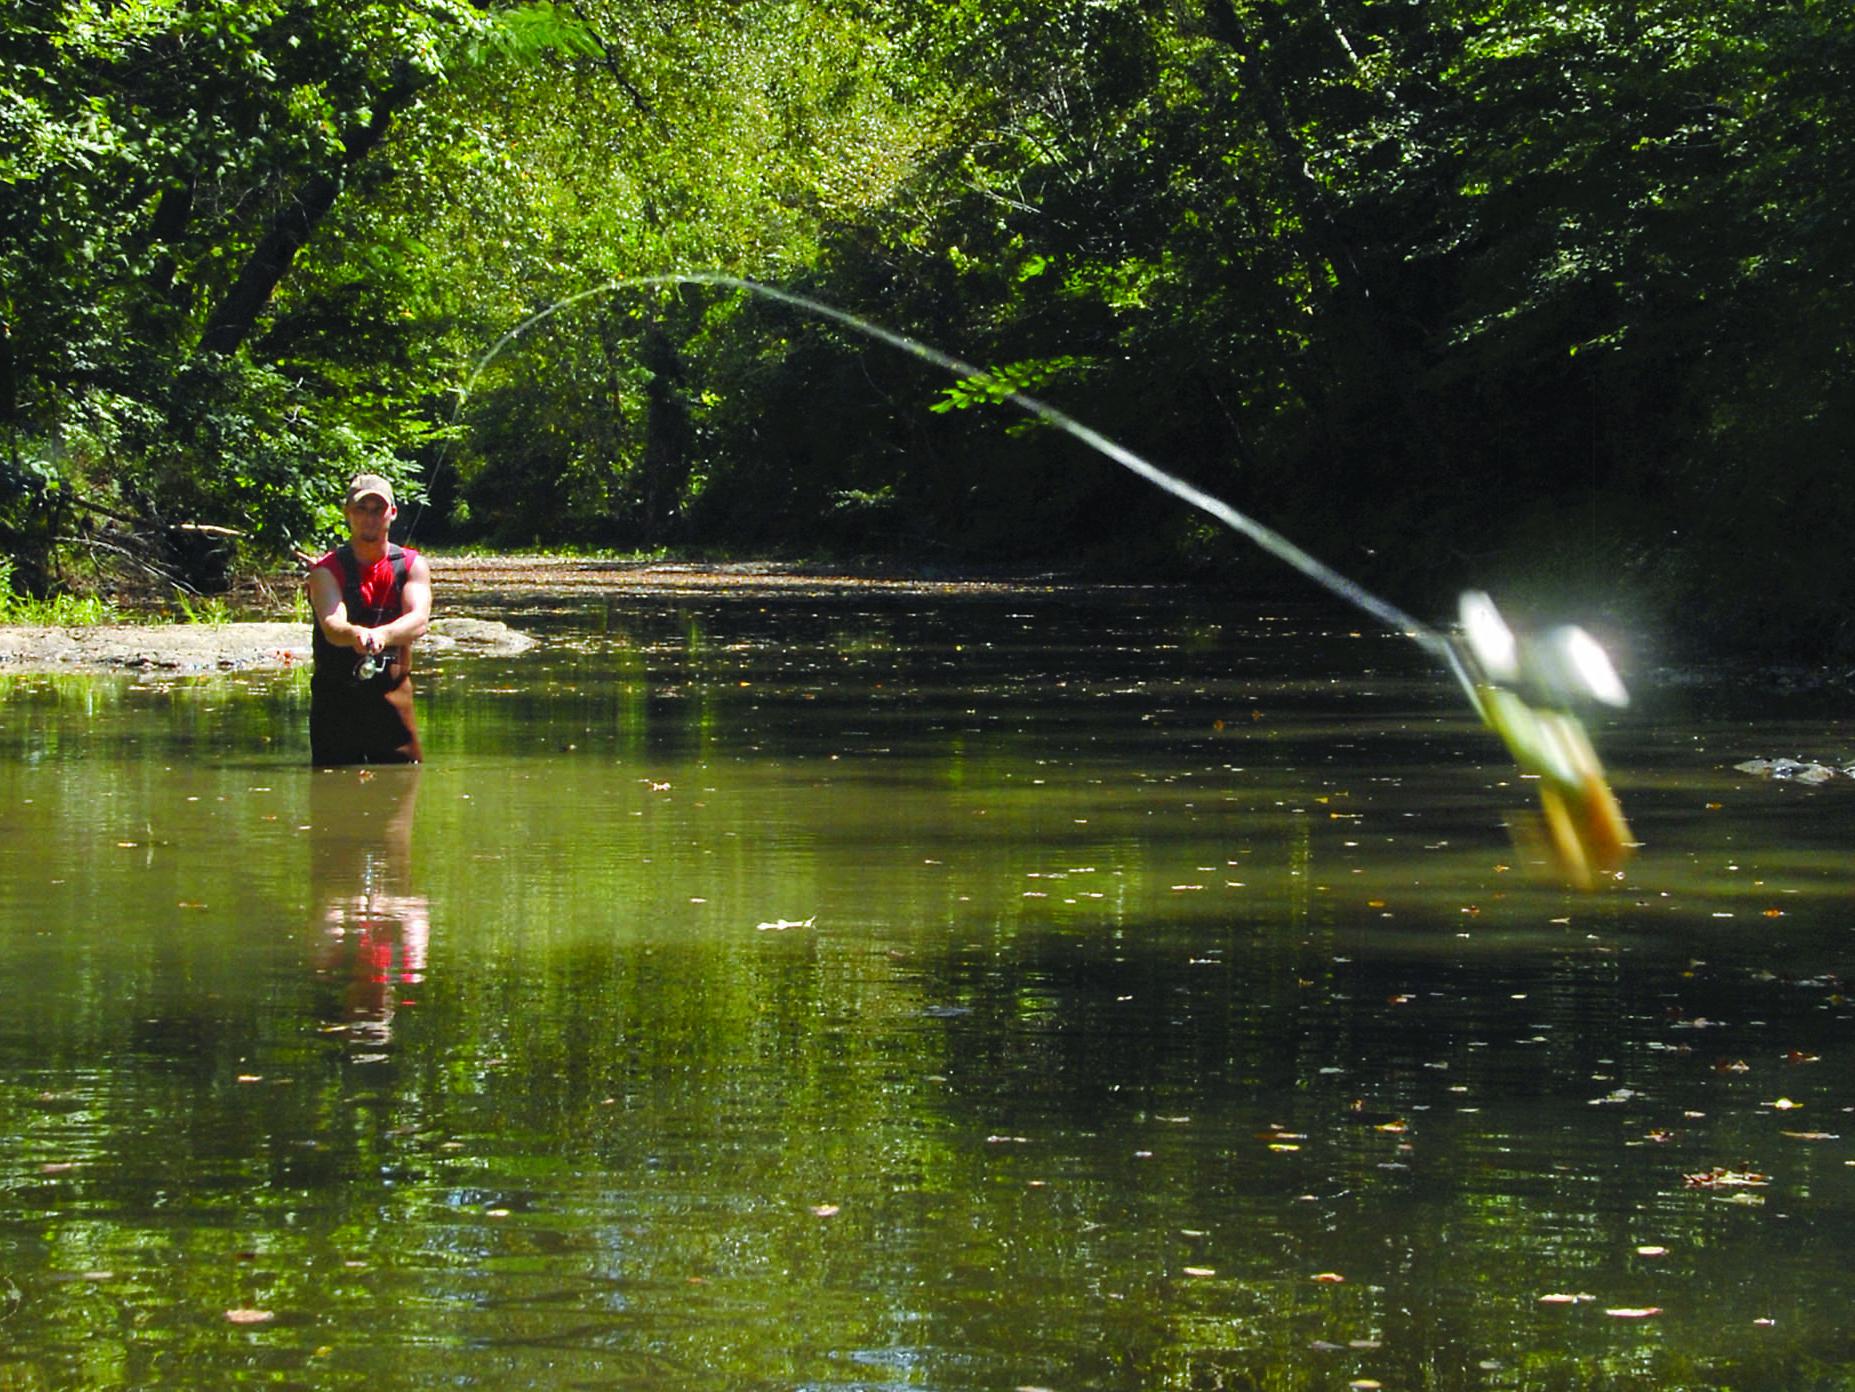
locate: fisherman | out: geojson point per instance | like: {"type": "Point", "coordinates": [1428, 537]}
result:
{"type": "Point", "coordinates": [371, 600]}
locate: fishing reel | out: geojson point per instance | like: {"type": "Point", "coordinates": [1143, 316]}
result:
{"type": "Point", "coordinates": [1524, 689]}
{"type": "Point", "coordinates": [371, 666]}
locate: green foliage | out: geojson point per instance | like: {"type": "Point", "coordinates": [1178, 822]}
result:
{"type": "Point", "coordinates": [1414, 283]}
{"type": "Point", "coordinates": [162, 164]}
{"type": "Point", "coordinates": [700, 137]}
{"type": "Point", "coordinates": [1417, 284]}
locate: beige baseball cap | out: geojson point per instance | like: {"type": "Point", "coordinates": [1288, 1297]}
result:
{"type": "Point", "coordinates": [363, 485]}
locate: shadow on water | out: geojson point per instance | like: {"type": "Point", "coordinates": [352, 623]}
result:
{"type": "Point", "coordinates": [1113, 990]}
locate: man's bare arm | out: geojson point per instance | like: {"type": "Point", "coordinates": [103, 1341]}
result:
{"type": "Point", "coordinates": [416, 595]}
{"type": "Point", "coordinates": [331, 611]}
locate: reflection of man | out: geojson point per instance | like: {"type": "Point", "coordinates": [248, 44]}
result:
{"type": "Point", "coordinates": [374, 931]}
{"type": "Point", "coordinates": [372, 600]}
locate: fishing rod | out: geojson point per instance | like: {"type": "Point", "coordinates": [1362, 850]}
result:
{"type": "Point", "coordinates": [1523, 688]}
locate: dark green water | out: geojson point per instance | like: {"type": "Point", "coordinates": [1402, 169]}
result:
{"type": "Point", "coordinates": [1113, 990]}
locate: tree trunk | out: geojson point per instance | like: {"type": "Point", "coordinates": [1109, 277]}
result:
{"type": "Point", "coordinates": [9, 380]}
{"type": "Point", "coordinates": [666, 433]}
{"type": "Point", "coordinates": [233, 319]}
{"type": "Point", "coordinates": [155, 314]}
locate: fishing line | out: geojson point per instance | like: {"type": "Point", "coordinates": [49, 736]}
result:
{"type": "Point", "coordinates": [1264, 536]}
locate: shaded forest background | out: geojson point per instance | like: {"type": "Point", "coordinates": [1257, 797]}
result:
{"type": "Point", "coordinates": [1552, 298]}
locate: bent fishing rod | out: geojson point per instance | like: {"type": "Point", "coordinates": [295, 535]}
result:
{"type": "Point", "coordinates": [1522, 687]}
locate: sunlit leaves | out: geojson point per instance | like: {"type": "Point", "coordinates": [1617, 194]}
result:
{"type": "Point", "coordinates": [523, 31]}
{"type": "Point", "coordinates": [1000, 383]}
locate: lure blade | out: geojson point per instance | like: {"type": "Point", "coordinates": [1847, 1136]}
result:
{"type": "Point", "coordinates": [1528, 706]}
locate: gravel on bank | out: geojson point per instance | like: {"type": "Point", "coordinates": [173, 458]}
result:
{"type": "Point", "coordinates": [207, 647]}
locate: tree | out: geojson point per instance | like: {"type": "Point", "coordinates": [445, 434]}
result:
{"type": "Point", "coordinates": [697, 138]}
{"type": "Point", "coordinates": [174, 161]}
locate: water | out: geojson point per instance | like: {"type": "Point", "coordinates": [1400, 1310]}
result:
{"type": "Point", "coordinates": [791, 989]}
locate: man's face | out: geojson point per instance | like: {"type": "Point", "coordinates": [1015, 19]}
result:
{"type": "Point", "coordinates": [369, 517]}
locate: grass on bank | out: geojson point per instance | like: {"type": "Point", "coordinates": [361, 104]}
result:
{"type": "Point", "coordinates": [59, 611]}
{"type": "Point", "coordinates": [71, 610]}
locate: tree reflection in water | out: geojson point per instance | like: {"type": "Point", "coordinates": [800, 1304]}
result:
{"type": "Point", "coordinates": [372, 927]}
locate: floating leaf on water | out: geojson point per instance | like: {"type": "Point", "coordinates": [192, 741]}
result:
{"type": "Point", "coordinates": [1725, 1179]}
{"type": "Point", "coordinates": [247, 1316]}
{"type": "Point", "coordinates": [1616, 1098]}
{"type": "Point", "coordinates": [780, 925]}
